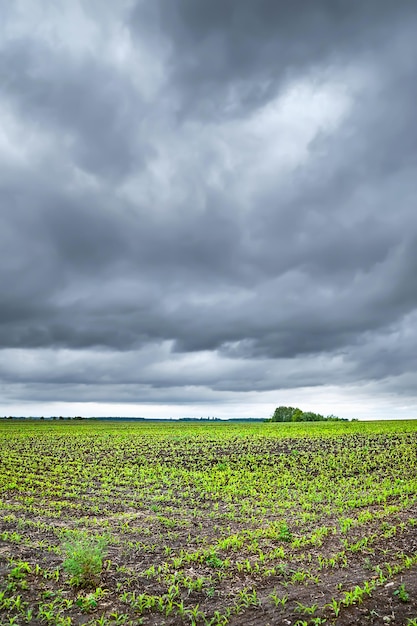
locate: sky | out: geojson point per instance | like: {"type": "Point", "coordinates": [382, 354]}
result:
{"type": "Point", "coordinates": [208, 207]}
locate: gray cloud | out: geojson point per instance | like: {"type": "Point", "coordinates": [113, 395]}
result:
{"type": "Point", "coordinates": [201, 201]}
{"type": "Point", "coordinates": [228, 56]}
{"type": "Point", "coordinates": [94, 112]}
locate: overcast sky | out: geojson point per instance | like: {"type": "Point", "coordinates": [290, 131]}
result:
{"type": "Point", "coordinates": [208, 207]}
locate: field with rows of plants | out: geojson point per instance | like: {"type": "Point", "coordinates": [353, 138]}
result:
{"type": "Point", "coordinates": [113, 524]}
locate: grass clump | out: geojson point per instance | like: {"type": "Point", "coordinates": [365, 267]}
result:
{"type": "Point", "coordinates": [84, 560]}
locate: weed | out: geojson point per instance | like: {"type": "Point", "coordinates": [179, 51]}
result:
{"type": "Point", "coordinates": [214, 561]}
{"type": "Point", "coordinates": [402, 594]}
{"type": "Point", "coordinates": [84, 561]}
{"type": "Point", "coordinates": [284, 533]}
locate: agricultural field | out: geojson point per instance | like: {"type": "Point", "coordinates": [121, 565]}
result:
{"type": "Point", "coordinates": [208, 524]}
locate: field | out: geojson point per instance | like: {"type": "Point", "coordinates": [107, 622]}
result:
{"type": "Point", "coordinates": [208, 523]}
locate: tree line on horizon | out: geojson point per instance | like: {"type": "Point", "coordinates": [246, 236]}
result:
{"type": "Point", "coordinates": [294, 414]}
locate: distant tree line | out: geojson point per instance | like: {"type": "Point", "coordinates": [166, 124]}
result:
{"type": "Point", "coordinates": [293, 414]}
{"type": "Point", "coordinates": [33, 417]}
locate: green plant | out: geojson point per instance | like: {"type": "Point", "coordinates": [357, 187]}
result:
{"type": "Point", "coordinates": [277, 600]}
{"type": "Point", "coordinates": [308, 610]}
{"type": "Point", "coordinates": [87, 603]}
{"type": "Point", "coordinates": [84, 561]}
{"type": "Point", "coordinates": [245, 599]}
{"type": "Point", "coordinates": [334, 605]}
{"type": "Point", "coordinates": [214, 561]}
{"type": "Point", "coordinates": [284, 533]}
{"type": "Point", "coordinates": [118, 619]}
{"type": "Point", "coordinates": [402, 594]}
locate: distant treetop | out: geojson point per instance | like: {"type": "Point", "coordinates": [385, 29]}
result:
{"type": "Point", "coordinates": [293, 414]}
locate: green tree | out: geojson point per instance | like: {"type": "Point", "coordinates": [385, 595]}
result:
{"type": "Point", "coordinates": [297, 416]}
{"type": "Point", "coordinates": [283, 414]}
{"type": "Point", "coordinates": [291, 414]}
{"type": "Point", "coordinates": [309, 416]}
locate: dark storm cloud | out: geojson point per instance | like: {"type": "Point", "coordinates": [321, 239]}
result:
{"type": "Point", "coordinates": [214, 198]}
{"type": "Point", "coordinates": [227, 55]}
{"type": "Point", "coordinates": [87, 104]}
